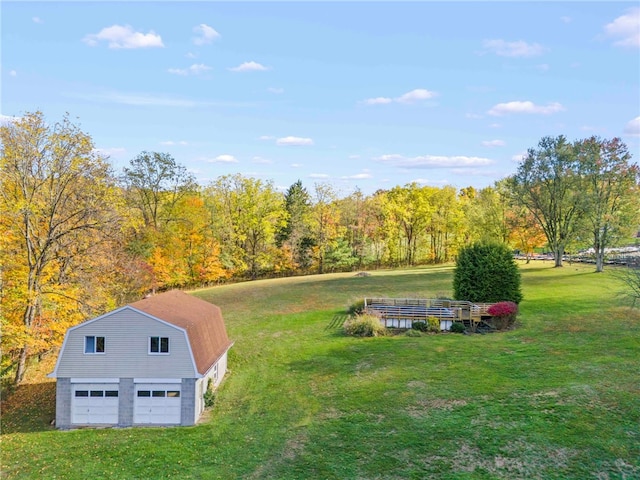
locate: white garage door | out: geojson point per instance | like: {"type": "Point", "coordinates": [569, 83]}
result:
{"type": "Point", "coordinates": [94, 403]}
{"type": "Point", "coordinates": [157, 403]}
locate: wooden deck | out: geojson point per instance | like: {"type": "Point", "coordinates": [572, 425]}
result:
{"type": "Point", "coordinates": [403, 312]}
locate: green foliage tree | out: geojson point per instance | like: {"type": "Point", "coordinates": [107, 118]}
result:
{"type": "Point", "coordinates": [547, 185]}
{"type": "Point", "coordinates": [486, 272]}
{"type": "Point", "coordinates": [155, 183]}
{"type": "Point", "coordinates": [610, 191]}
{"type": "Point", "coordinates": [295, 233]}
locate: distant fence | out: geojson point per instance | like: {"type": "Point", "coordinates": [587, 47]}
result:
{"type": "Point", "coordinates": [632, 261]}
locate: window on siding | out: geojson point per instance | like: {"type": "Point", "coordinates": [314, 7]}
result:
{"type": "Point", "coordinates": [158, 393]}
{"type": "Point", "coordinates": [158, 344]}
{"type": "Point", "coordinates": [82, 393]}
{"type": "Point", "coordinates": [93, 344]}
{"type": "Point", "coordinates": [111, 393]}
{"type": "Point", "coordinates": [144, 393]}
{"type": "Point", "coordinates": [173, 393]}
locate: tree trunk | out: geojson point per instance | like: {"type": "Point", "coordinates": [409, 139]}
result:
{"type": "Point", "coordinates": [22, 365]}
{"type": "Point", "coordinates": [558, 254]}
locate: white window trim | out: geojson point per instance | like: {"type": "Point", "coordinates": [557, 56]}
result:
{"type": "Point", "coordinates": [159, 340]}
{"type": "Point", "coordinates": [84, 346]}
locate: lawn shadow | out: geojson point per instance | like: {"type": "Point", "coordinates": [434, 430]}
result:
{"type": "Point", "coordinates": [31, 407]}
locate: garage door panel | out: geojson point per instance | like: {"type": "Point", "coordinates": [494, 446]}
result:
{"type": "Point", "coordinates": [157, 404]}
{"type": "Point", "coordinates": [94, 404]}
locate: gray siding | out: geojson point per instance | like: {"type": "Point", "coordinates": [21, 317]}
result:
{"type": "Point", "coordinates": [126, 354]}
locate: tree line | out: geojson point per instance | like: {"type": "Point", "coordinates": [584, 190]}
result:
{"type": "Point", "coordinates": [79, 239]}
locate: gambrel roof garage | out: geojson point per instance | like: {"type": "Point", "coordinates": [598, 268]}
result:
{"type": "Point", "coordinates": [148, 363]}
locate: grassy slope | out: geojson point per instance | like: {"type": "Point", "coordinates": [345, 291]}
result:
{"type": "Point", "coordinates": [556, 398]}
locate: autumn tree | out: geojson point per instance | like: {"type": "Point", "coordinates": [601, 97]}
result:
{"type": "Point", "coordinates": [325, 222]}
{"type": "Point", "coordinates": [547, 185]}
{"type": "Point", "coordinates": [247, 213]}
{"type": "Point", "coordinates": [57, 198]}
{"type": "Point", "coordinates": [609, 190]}
{"type": "Point", "coordinates": [408, 212]}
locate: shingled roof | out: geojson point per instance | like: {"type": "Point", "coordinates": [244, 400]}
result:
{"type": "Point", "coordinates": [202, 320]}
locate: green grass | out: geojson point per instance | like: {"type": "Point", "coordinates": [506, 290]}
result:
{"type": "Point", "coordinates": [557, 398]}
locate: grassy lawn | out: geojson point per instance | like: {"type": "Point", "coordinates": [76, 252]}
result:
{"type": "Point", "coordinates": [557, 398]}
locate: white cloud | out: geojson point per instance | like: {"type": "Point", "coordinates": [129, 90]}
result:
{"type": "Point", "coordinates": [169, 143]}
{"type": "Point", "coordinates": [494, 143]}
{"type": "Point", "coordinates": [389, 157]}
{"type": "Point", "coordinates": [294, 141]}
{"type": "Point", "coordinates": [416, 95]}
{"type": "Point", "coordinates": [191, 55]}
{"type": "Point", "coordinates": [377, 101]}
{"type": "Point", "coordinates": [625, 29]}
{"type": "Point", "coordinates": [295, 165]}
{"type": "Point", "coordinates": [13, 73]}
{"type": "Point", "coordinates": [525, 107]}
{"type": "Point", "coordinates": [4, 119]}
{"type": "Point", "coordinates": [276, 91]}
{"type": "Point", "coordinates": [146, 100]}
{"type": "Point", "coordinates": [119, 36]}
{"type": "Point", "coordinates": [353, 157]}
{"type": "Point", "coordinates": [204, 34]}
{"type": "Point", "coordinates": [633, 127]}
{"type": "Point", "coordinates": [472, 116]}
{"type": "Point", "coordinates": [566, 19]}
{"type": "Point", "coordinates": [435, 161]}
{"type": "Point", "coordinates": [543, 67]}
{"type": "Point", "coordinates": [358, 176]}
{"type": "Point", "coordinates": [319, 175]}
{"type": "Point", "coordinates": [195, 69]}
{"type": "Point", "coordinates": [37, 20]}
{"type": "Point", "coordinates": [518, 156]}
{"type": "Point", "coordinates": [519, 48]}
{"type": "Point", "coordinates": [249, 67]}
{"type": "Point", "coordinates": [225, 158]}
{"type": "Point", "coordinates": [495, 125]}
{"type": "Point", "coordinates": [266, 137]}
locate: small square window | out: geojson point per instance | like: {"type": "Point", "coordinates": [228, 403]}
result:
{"type": "Point", "coordinates": [93, 344]}
{"type": "Point", "coordinates": [158, 344]}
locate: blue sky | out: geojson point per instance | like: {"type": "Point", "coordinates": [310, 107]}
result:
{"type": "Point", "coordinates": [364, 95]}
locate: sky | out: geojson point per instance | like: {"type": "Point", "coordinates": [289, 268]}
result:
{"type": "Point", "coordinates": [359, 95]}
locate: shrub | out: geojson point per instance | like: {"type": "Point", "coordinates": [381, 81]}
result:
{"type": "Point", "coordinates": [457, 327]}
{"type": "Point", "coordinates": [420, 326]}
{"type": "Point", "coordinates": [434, 324]}
{"type": "Point", "coordinates": [364, 326]}
{"type": "Point", "coordinates": [356, 308]}
{"type": "Point", "coordinates": [413, 333]}
{"type": "Point", "coordinates": [486, 272]}
{"type": "Point", "coordinates": [209, 395]}
{"type": "Point", "coordinates": [503, 315]}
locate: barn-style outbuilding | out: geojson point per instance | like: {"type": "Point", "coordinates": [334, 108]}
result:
{"type": "Point", "coordinates": [147, 363]}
